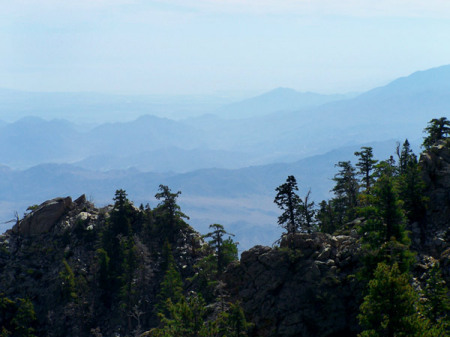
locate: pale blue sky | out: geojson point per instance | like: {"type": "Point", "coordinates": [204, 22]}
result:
{"type": "Point", "coordinates": [209, 46]}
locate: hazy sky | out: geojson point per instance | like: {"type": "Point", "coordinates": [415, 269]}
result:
{"type": "Point", "coordinates": [208, 46]}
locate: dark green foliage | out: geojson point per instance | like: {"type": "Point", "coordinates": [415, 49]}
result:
{"type": "Point", "coordinates": [226, 250]}
{"type": "Point", "coordinates": [68, 285]}
{"type": "Point", "coordinates": [366, 165]}
{"type": "Point", "coordinates": [326, 218]}
{"type": "Point", "coordinates": [189, 318]}
{"type": "Point", "coordinates": [437, 129]}
{"type": "Point", "coordinates": [346, 193]}
{"type": "Point", "coordinates": [391, 305]}
{"type": "Point", "coordinates": [235, 322]}
{"type": "Point", "coordinates": [405, 156]}
{"type": "Point", "coordinates": [168, 213]}
{"type": "Point", "coordinates": [307, 214]}
{"type": "Point", "coordinates": [385, 219]}
{"type": "Point", "coordinates": [383, 232]}
{"type": "Point", "coordinates": [120, 216]}
{"type": "Point", "coordinates": [205, 277]}
{"type": "Point", "coordinates": [129, 265]}
{"type": "Point", "coordinates": [229, 251]}
{"type": "Point", "coordinates": [17, 318]}
{"type": "Point", "coordinates": [289, 202]}
{"type": "Point", "coordinates": [437, 302]}
{"type": "Point", "coordinates": [186, 318]}
{"type": "Point", "coordinates": [412, 190]}
{"type": "Point", "coordinates": [103, 276]}
{"type": "Point", "coordinates": [171, 287]}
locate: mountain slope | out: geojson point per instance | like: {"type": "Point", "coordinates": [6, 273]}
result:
{"type": "Point", "coordinates": [280, 99]}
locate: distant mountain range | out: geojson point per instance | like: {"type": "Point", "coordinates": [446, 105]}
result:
{"type": "Point", "coordinates": [280, 99]}
{"type": "Point", "coordinates": [240, 199]}
{"type": "Point", "coordinates": [227, 162]}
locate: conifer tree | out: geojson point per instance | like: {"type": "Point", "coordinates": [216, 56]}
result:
{"type": "Point", "coordinates": [326, 218]}
{"type": "Point", "coordinates": [171, 287]}
{"type": "Point", "coordinates": [235, 321]}
{"type": "Point", "coordinates": [383, 233]}
{"type": "Point", "coordinates": [412, 191]}
{"type": "Point", "coordinates": [437, 129]}
{"type": "Point", "coordinates": [366, 165]}
{"type": "Point", "coordinates": [405, 156]}
{"type": "Point", "coordinates": [346, 193]}
{"type": "Point", "coordinates": [221, 247]}
{"type": "Point", "coordinates": [307, 214]}
{"type": "Point", "coordinates": [437, 305]}
{"type": "Point", "coordinates": [288, 200]}
{"type": "Point", "coordinates": [168, 212]}
{"type": "Point", "coordinates": [390, 307]}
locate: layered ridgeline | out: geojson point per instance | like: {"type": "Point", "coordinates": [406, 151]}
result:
{"type": "Point", "coordinates": [371, 261]}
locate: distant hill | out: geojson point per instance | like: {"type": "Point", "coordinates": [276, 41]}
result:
{"type": "Point", "coordinates": [91, 107]}
{"type": "Point", "coordinates": [242, 199]}
{"type": "Point", "coordinates": [280, 99]}
{"type": "Point", "coordinates": [398, 110]}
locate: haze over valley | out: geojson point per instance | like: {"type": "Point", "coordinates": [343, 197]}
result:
{"type": "Point", "coordinates": [225, 156]}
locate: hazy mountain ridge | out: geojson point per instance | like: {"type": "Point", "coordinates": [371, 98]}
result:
{"type": "Point", "coordinates": [397, 110]}
{"type": "Point", "coordinates": [241, 198]}
{"type": "Point", "coordinates": [279, 99]}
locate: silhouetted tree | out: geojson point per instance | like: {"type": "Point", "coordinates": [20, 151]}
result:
{"type": "Point", "coordinates": [346, 192]}
{"type": "Point", "coordinates": [366, 165]}
{"type": "Point", "coordinates": [224, 249]}
{"type": "Point", "coordinates": [288, 200]}
{"type": "Point", "coordinates": [168, 212]}
{"type": "Point", "coordinates": [307, 214]}
{"type": "Point", "coordinates": [437, 130]}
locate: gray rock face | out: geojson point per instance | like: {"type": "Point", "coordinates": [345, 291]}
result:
{"type": "Point", "coordinates": [44, 217]}
{"type": "Point", "coordinates": [308, 291]}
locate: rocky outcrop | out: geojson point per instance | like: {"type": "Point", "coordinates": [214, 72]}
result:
{"type": "Point", "coordinates": [44, 217]}
{"type": "Point", "coordinates": [308, 289]}
{"type": "Point", "coordinates": [60, 239]}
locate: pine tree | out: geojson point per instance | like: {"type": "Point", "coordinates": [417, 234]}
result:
{"type": "Point", "coordinates": [307, 214]}
{"type": "Point", "coordinates": [405, 156]}
{"type": "Point", "coordinates": [328, 221]}
{"type": "Point", "coordinates": [236, 324]}
{"type": "Point", "coordinates": [437, 305]}
{"type": "Point", "coordinates": [412, 191]}
{"type": "Point", "coordinates": [217, 242]}
{"type": "Point", "coordinates": [171, 287]}
{"type": "Point", "coordinates": [346, 193]}
{"type": "Point", "coordinates": [288, 200]}
{"type": "Point", "coordinates": [390, 308]}
{"type": "Point", "coordinates": [366, 165]}
{"type": "Point", "coordinates": [437, 129]}
{"type": "Point", "coordinates": [168, 213]}
{"type": "Point", "coordinates": [383, 233]}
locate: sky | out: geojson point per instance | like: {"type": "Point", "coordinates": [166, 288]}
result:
{"type": "Point", "coordinates": [217, 46]}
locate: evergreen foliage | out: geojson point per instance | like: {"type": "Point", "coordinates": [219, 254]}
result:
{"type": "Point", "coordinates": [67, 277]}
{"type": "Point", "coordinates": [225, 250]}
{"type": "Point", "coordinates": [437, 129]}
{"type": "Point", "coordinates": [307, 213]}
{"type": "Point", "coordinates": [390, 308]}
{"type": "Point", "coordinates": [17, 318]}
{"type": "Point", "coordinates": [288, 200]}
{"type": "Point", "coordinates": [437, 302]}
{"type": "Point", "coordinates": [171, 288]}
{"type": "Point", "coordinates": [383, 233]}
{"type": "Point", "coordinates": [168, 214]}
{"type": "Point", "coordinates": [366, 165]}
